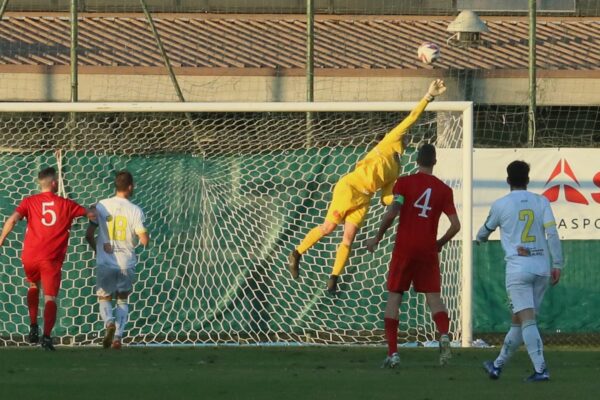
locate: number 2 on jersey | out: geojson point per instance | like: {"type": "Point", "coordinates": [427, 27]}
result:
{"type": "Point", "coordinates": [117, 228]}
{"type": "Point", "coordinates": [423, 203]}
{"type": "Point", "coordinates": [527, 216]}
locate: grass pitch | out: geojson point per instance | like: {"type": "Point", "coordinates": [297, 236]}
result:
{"type": "Point", "coordinates": [344, 373]}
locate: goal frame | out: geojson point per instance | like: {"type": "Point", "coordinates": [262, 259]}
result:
{"type": "Point", "coordinates": [464, 107]}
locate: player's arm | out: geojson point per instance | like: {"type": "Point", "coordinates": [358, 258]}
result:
{"type": "Point", "coordinates": [387, 195]}
{"type": "Point", "coordinates": [140, 229]}
{"type": "Point", "coordinates": [102, 225]}
{"type": "Point", "coordinates": [143, 238]}
{"type": "Point", "coordinates": [9, 225]}
{"type": "Point", "coordinates": [90, 213]}
{"type": "Point", "coordinates": [450, 233]}
{"type": "Point", "coordinates": [386, 221]}
{"type": "Point", "coordinates": [436, 88]}
{"type": "Point", "coordinates": [489, 226]}
{"type": "Point", "coordinates": [553, 244]}
{"type": "Point", "coordinates": [80, 211]}
{"type": "Point", "coordinates": [484, 233]}
{"type": "Point", "coordinates": [90, 235]}
{"type": "Point", "coordinates": [450, 211]}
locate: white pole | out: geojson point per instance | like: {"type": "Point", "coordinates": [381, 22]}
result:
{"type": "Point", "coordinates": [467, 230]}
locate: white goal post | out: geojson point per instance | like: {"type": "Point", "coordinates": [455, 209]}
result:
{"type": "Point", "coordinates": [230, 189]}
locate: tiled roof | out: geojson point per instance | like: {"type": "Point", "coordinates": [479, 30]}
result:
{"type": "Point", "coordinates": [276, 41]}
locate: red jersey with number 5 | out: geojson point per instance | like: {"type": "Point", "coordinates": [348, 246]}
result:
{"type": "Point", "coordinates": [49, 219]}
{"type": "Point", "coordinates": [423, 197]}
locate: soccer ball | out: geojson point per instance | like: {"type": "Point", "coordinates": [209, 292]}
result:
{"type": "Point", "coordinates": [428, 52]}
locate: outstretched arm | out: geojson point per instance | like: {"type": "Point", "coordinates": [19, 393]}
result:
{"type": "Point", "coordinates": [450, 233]}
{"type": "Point", "coordinates": [387, 220]}
{"type": "Point", "coordinates": [436, 88]}
{"type": "Point", "coordinates": [9, 225]}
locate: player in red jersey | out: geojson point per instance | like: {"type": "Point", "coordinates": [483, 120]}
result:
{"type": "Point", "coordinates": [419, 200]}
{"type": "Point", "coordinates": [49, 219]}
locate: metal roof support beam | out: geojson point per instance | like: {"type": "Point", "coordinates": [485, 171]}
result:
{"type": "Point", "coordinates": [310, 65]}
{"type": "Point", "coordinates": [532, 74]}
{"type": "Point", "coordinates": [73, 55]}
{"type": "Point", "coordinates": [163, 53]}
{"type": "Point", "coordinates": [3, 8]}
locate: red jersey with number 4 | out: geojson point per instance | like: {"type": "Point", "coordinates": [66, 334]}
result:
{"type": "Point", "coordinates": [49, 219]}
{"type": "Point", "coordinates": [424, 197]}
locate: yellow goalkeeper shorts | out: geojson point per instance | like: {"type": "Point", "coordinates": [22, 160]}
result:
{"type": "Point", "coordinates": [348, 204]}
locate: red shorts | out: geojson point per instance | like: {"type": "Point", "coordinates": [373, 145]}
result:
{"type": "Point", "coordinates": [47, 271]}
{"type": "Point", "coordinates": [420, 269]}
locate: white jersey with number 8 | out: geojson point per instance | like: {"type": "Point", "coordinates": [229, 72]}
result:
{"type": "Point", "coordinates": [119, 222]}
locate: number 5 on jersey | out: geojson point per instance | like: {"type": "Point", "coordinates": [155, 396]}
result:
{"type": "Point", "coordinates": [423, 203]}
{"type": "Point", "coordinates": [48, 212]}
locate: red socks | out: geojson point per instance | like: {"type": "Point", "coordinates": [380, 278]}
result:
{"type": "Point", "coordinates": [391, 329]}
{"type": "Point", "coordinates": [49, 317]}
{"type": "Point", "coordinates": [33, 303]}
{"type": "Point", "coordinates": [391, 334]}
{"type": "Point", "coordinates": [442, 322]}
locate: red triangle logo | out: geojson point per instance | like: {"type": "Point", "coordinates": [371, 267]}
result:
{"type": "Point", "coordinates": [574, 196]}
{"type": "Point", "coordinates": [552, 193]}
{"type": "Point", "coordinates": [554, 173]}
{"type": "Point", "coordinates": [570, 173]}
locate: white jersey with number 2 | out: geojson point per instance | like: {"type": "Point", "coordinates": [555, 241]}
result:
{"type": "Point", "coordinates": [119, 222]}
{"type": "Point", "coordinates": [523, 218]}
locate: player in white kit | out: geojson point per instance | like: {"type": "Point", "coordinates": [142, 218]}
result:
{"type": "Point", "coordinates": [120, 226]}
{"type": "Point", "coordinates": [533, 257]}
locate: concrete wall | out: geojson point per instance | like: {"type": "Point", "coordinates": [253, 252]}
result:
{"type": "Point", "coordinates": [98, 87]}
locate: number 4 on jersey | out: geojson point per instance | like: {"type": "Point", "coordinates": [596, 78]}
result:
{"type": "Point", "coordinates": [423, 203]}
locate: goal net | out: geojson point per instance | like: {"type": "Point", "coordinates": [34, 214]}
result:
{"type": "Point", "coordinates": [228, 191]}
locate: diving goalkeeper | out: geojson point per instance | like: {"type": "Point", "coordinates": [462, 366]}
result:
{"type": "Point", "coordinates": [352, 194]}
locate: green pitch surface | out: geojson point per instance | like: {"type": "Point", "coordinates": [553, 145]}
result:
{"type": "Point", "coordinates": [286, 373]}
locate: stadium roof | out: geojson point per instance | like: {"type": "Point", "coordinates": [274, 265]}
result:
{"type": "Point", "coordinates": [205, 44]}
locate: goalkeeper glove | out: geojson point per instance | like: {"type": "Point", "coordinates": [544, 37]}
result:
{"type": "Point", "coordinates": [436, 88]}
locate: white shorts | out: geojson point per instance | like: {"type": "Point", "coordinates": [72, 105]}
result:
{"type": "Point", "coordinates": [525, 290]}
{"type": "Point", "coordinates": [110, 280]}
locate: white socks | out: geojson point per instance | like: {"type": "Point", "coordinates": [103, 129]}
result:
{"type": "Point", "coordinates": [106, 311]}
{"type": "Point", "coordinates": [122, 314]}
{"type": "Point", "coordinates": [533, 342]}
{"type": "Point", "coordinates": [528, 333]}
{"type": "Point", "coordinates": [512, 341]}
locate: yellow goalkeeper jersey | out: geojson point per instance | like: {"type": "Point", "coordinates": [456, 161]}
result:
{"type": "Point", "coordinates": [381, 166]}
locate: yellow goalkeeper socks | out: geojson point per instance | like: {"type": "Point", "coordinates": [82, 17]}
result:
{"type": "Point", "coordinates": [313, 237]}
{"type": "Point", "coordinates": [341, 258]}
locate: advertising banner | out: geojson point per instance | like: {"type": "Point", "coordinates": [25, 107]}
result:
{"type": "Point", "coordinates": [569, 178]}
